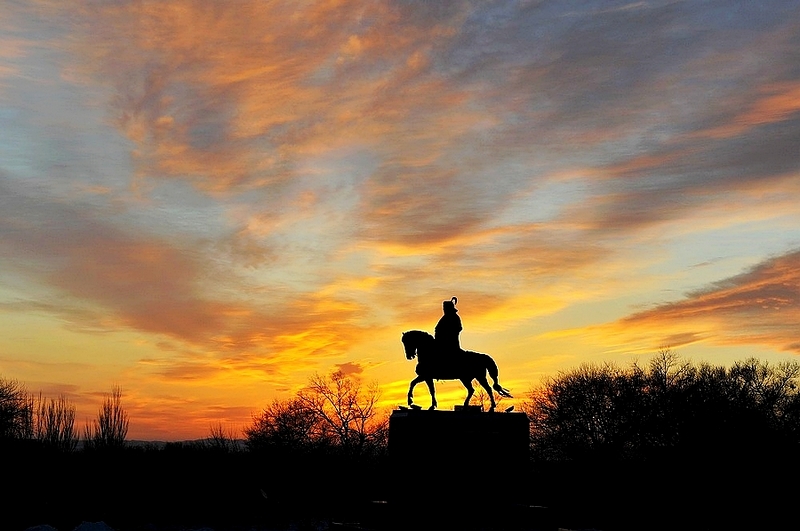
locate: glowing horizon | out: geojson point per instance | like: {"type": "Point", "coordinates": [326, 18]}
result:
{"type": "Point", "coordinates": [206, 203]}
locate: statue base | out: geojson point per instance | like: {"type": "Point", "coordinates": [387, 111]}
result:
{"type": "Point", "coordinates": [467, 467]}
{"type": "Point", "coordinates": [459, 443]}
{"type": "Point", "coordinates": [469, 409]}
{"type": "Point", "coordinates": [418, 431]}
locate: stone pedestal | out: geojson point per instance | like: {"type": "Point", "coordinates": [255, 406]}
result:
{"type": "Point", "coordinates": [467, 448]}
{"type": "Point", "coordinates": [462, 469]}
{"type": "Point", "coordinates": [442, 435]}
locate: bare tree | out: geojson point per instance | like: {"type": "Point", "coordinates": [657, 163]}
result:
{"type": "Point", "coordinates": [767, 386]}
{"type": "Point", "coordinates": [110, 428]}
{"type": "Point", "coordinates": [668, 371]}
{"type": "Point", "coordinates": [331, 412]}
{"type": "Point", "coordinates": [347, 413]}
{"type": "Point", "coordinates": [582, 410]}
{"type": "Point", "coordinates": [55, 423]}
{"type": "Point", "coordinates": [221, 439]}
{"type": "Point", "coordinates": [16, 411]}
{"type": "Point", "coordinates": [286, 424]}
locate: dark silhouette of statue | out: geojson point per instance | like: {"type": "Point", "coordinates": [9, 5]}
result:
{"type": "Point", "coordinates": [434, 364]}
{"type": "Point", "coordinates": [448, 328]}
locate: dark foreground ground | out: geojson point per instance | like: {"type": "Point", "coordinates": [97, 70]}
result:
{"type": "Point", "coordinates": [189, 489]}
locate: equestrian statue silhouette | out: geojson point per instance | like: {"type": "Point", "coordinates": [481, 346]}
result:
{"type": "Point", "coordinates": [436, 363]}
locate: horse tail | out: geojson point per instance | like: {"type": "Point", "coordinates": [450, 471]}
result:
{"type": "Point", "coordinates": [494, 372]}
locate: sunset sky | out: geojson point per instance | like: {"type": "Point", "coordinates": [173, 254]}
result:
{"type": "Point", "coordinates": [207, 202]}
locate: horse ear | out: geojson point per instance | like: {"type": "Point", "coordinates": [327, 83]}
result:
{"type": "Point", "coordinates": [454, 300]}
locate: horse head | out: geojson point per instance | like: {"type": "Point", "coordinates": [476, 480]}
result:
{"type": "Point", "coordinates": [415, 342]}
{"type": "Point", "coordinates": [409, 346]}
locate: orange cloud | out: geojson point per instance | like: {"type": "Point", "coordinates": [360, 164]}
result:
{"type": "Point", "coordinates": [760, 307]}
{"type": "Point", "coordinates": [231, 96]}
{"type": "Point", "coordinates": [106, 278]}
{"type": "Point", "coordinates": [776, 103]}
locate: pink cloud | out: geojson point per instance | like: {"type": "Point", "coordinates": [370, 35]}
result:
{"type": "Point", "coordinates": [760, 306]}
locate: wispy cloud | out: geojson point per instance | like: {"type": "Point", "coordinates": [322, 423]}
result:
{"type": "Point", "coordinates": [758, 307]}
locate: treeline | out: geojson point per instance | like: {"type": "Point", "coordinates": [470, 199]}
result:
{"type": "Point", "coordinates": [318, 454]}
{"type": "Point", "coordinates": [669, 445]}
{"type": "Point", "coordinates": [669, 407]}
{"type": "Point", "coordinates": [594, 411]}
{"type": "Point", "coordinates": [50, 422]}
{"type": "Point", "coordinates": [333, 413]}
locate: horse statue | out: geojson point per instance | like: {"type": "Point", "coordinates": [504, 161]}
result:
{"type": "Point", "coordinates": [434, 365]}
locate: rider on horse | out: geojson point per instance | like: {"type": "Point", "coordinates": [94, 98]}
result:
{"type": "Point", "coordinates": [448, 329]}
{"type": "Point", "coordinates": [440, 357]}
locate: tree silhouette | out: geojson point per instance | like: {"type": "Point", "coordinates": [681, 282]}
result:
{"type": "Point", "coordinates": [671, 407]}
{"type": "Point", "coordinates": [347, 414]}
{"type": "Point", "coordinates": [332, 412]}
{"type": "Point", "coordinates": [55, 423]}
{"type": "Point", "coordinates": [221, 439]}
{"type": "Point", "coordinates": [16, 411]}
{"type": "Point", "coordinates": [110, 429]}
{"type": "Point", "coordinates": [283, 425]}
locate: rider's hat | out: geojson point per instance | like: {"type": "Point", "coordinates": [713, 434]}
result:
{"type": "Point", "coordinates": [450, 305]}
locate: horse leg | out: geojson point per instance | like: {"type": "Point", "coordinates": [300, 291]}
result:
{"type": "Point", "coordinates": [470, 390]}
{"type": "Point", "coordinates": [491, 367]}
{"type": "Point", "coordinates": [414, 383]}
{"type": "Point", "coordinates": [485, 384]}
{"type": "Point", "coordinates": [433, 393]}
